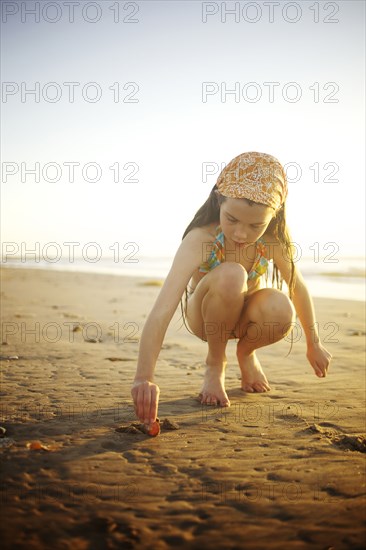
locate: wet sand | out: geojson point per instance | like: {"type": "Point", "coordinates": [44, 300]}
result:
{"type": "Point", "coordinates": [284, 469]}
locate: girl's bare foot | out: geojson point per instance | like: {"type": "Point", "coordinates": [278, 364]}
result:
{"type": "Point", "coordinates": [253, 378]}
{"type": "Point", "coordinates": [213, 389]}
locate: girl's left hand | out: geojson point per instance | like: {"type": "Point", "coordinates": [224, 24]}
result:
{"type": "Point", "coordinates": [319, 358]}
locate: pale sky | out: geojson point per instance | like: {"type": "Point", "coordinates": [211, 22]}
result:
{"type": "Point", "coordinates": [171, 131]}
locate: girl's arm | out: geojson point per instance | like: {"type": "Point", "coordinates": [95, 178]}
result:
{"type": "Point", "coordinates": [144, 392]}
{"type": "Point", "coordinates": [317, 355]}
{"type": "Point", "coordinates": [305, 310]}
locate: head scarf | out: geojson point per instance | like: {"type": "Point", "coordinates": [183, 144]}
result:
{"type": "Point", "coordinates": [255, 176]}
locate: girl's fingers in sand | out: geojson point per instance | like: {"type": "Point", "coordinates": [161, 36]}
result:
{"type": "Point", "coordinates": [318, 371]}
{"type": "Point", "coordinates": [146, 405]}
{"type": "Point", "coordinates": [322, 367]}
{"type": "Point", "coordinates": [154, 399]}
{"type": "Point", "coordinates": [145, 395]}
{"type": "Point", "coordinates": [319, 358]}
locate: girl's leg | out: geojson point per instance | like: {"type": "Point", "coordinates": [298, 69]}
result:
{"type": "Point", "coordinates": [213, 312]}
{"type": "Point", "coordinates": [266, 318]}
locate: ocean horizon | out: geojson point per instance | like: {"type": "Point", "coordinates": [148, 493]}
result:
{"type": "Point", "coordinates": [344, 279]}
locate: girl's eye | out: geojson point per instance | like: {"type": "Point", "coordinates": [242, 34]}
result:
{"type": "Point", "coordinates": [231, 220]}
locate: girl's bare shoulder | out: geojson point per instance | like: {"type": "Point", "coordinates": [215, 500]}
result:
{"type": "Point", "coordinates": [203, 234]}
{"type": "Point", "coordinates": [186, 261]}
{"type": "Point", "coordinates": [195, 243]}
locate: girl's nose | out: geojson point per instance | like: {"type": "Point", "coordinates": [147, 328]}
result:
{"type": "Point", "coordinates": [240, 238]}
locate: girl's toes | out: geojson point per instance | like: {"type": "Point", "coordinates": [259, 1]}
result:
{"type": "Point", "coordinates": [208, 399]}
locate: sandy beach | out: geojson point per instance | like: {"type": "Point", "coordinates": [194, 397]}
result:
{"type": "Point", "coordinates": [285, 469]}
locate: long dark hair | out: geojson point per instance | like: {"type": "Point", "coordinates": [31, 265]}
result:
{"type": "Point", "coordinates": [209, 212]}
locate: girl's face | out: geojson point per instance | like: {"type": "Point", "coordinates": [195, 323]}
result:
{"type": "Point", "coordinates": [243, 224]}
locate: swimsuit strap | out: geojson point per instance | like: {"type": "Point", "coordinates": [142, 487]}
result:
{"type": "Point", "coordinates": [261, 262]}
{"type": "Point", "coordinates": [217, 255]}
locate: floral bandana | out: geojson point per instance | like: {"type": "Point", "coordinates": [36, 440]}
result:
{"type": "Point", "coordinates": [255, 176]}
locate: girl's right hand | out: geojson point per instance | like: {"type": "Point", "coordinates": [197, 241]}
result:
{"type": "Point", "coordinates": [145, 396]}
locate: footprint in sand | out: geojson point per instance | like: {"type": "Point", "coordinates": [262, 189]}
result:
{"type": "Point", "coordinates": [346, 442]}
{"type": "Point", "coordinates": [119, 359]}
{"type": "Point", "coordinates": [350, 442]}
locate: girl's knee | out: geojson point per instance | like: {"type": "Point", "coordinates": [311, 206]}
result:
{"type": "Point", "coordinates": [282, 308]}
{"type": "Point", "coordinates": [230, 280]}
{"type": "Point", "coordinates": [275, 305]}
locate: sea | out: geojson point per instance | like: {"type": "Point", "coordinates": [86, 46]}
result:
{"type": "Point", "coordinates": [344, 279]}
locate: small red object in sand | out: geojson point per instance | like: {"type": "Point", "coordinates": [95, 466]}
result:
{"type": "Point", "coordinates": [37, 446]}
{"type": "Point", "coordinates": [153, 429]}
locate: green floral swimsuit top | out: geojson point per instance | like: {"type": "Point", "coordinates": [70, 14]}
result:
{"type": "Point", "coordinates": [217, 256]}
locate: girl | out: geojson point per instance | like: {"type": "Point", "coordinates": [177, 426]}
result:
{"type": "Point", "coordinates": [224, 252]}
